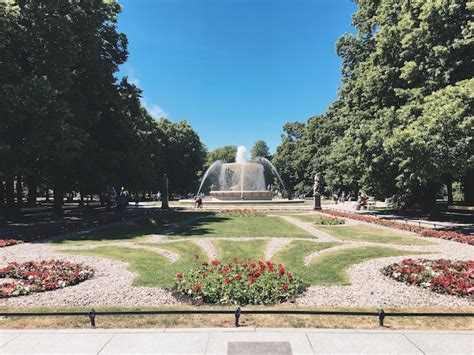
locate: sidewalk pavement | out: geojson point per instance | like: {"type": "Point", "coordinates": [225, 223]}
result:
{"type": "Point", "coordinates": [235, 341]}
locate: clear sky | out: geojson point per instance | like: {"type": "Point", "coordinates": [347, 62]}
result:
{"type": "Point", "coordinates": [236, 70]}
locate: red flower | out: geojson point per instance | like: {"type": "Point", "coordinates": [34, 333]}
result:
{"type": "Point", "coordinates": [284, 287]}
{"type": "Point", "coordinates": [252, 280]}
{"type": "Point", "coordinates": [215, 262]}
{"type": "Point", "coordinates": [227, 280]}
{"type": "Point", "coordinates": [238, 277]}
{"type": "Point", "coordinates": [197, 288]}
{"type": "Point", "coordinates": [179, 275]}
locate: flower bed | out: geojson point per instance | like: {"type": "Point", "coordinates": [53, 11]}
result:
{"type": "Point", "coordinates": [239, 283]}
{"type": "Point", "coordinates": [441, 276]}
{"type": "Point", "coordinates": [8, 242]}
{"type": "Point", "coordinates": [425, 232]}
{"type": "Point", "coordinates": [28, 277]}
{"type": "Point", "coordinates": [241, 213]}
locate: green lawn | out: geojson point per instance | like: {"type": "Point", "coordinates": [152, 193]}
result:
{"type": "Point", "coordinates": [252, 249]}
{"type": "Point", "coordinates": [215, 226]}
{"type": "Point", "coordinates": [131, 232]}
{"type": "Point", "coordinates": [292, 257]}
{"type": "Point", "coordinates": [366, 233]}
{"type": "Point", "coordinates": [331, 268]}
{"type": "Point", "coordinates": [152, 268]}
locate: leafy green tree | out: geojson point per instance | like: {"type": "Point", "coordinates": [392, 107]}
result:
{"type": "Point", "coordinates": [260, 149]}
{"type": "Point", "coordinates": [226, 154]}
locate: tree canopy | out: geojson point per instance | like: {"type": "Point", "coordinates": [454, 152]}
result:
{"type": "Point", "coordinates": [68, 122]}
{"type": "Point", "coordinates": [402, 126]}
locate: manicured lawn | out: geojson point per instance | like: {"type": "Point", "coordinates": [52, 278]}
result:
{"type": "Point", "coordinates": [366, 233]}
{"type": "Point", "coordinates": [292, 257]}
{"type": "Point", "coordinates": [216, 226]}
{"type": "Point", "coordinates": [252, 249]}
{"type": "Point", "coordinates": [153, 269]}
{"type": "Point", "coordinates": [131, 232]}
{"type": "Point", "coordinates": [331, 268]}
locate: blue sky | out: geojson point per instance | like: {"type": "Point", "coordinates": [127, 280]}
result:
{"type": "Point", "coordinates": [236, 70]}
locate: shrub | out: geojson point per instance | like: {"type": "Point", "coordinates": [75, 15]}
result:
{"type": "Point", "coordinates": [8, 242]}
{"type": "Point", "coordinates": [425, 232]}
{"type": "Point", "coordinates": [241, 213]}
{"type": "Point", "coordinates": [441, 276]}
{"type": "Point", "coordinates": [239, 283]}
{"type": "Point", "coordinates": [328, 221]}
{"type": "Point", "coordinates": [41, 276]}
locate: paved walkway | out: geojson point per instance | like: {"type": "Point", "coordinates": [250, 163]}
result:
{"type": "Point", "coordinates": [233, 341]}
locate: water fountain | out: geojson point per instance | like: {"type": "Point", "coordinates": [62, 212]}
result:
{"type": "Point", "coordinates": [243, 180]}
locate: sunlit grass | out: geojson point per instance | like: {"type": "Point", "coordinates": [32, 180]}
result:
{"type": "Point", "coordinates": [366, 233]}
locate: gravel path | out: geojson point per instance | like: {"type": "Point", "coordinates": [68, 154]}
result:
{"type": "Point", "coordinates": [208, 247]}
{"type": "Point", "coordinates": [275, 245]}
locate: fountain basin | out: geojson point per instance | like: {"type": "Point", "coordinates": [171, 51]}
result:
{"type": "Point", "coordinates": [241, 195]}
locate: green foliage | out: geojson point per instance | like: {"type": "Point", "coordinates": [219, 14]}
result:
{"type": "Point", "coordinates": [226, 154]}
{"type": "Point", "coordinates": [260, 149]}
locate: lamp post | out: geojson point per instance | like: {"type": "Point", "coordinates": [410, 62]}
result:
{"type": "Point", "coordinates": [316, 195]}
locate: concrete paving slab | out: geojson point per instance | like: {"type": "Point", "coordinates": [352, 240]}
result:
{"type": "Point", "coordinates": [218, 342]}
{"type": "Point", "coordinates": [444, 343]}
{"type": "Point", "coordinates": [55, 343]}
{"type": "Point", "coordinates": [207, 330]}
{"type": "Point", "coordinates": [259, 347]}
{"type": "Point", "coordinates": [367, 343]}
{"type": "Point", "coordinates": [6, 338]}
{"type": "Point", "coordinates": [157, 343]}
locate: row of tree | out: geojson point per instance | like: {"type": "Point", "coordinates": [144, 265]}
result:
{"type": "Point", "coordinates": [67, 122]}
{"type": "Point", "coordinates": [403, 124]}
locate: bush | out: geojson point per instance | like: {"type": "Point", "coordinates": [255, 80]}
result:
{"type": "Point", "coordinates": [441, 276]}
{"type": "Point", "coordinates": [239, 283]}
{"type": "Point", "coordinates": [41, 276]}
{"type": "Point", "coordinates": [329, 221]}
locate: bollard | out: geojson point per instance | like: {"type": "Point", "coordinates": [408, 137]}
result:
{"type": "Point", "coordinates": [92, 317]}
{"type": "Point", "coordinates": [381, 316]}
{"type": "Point", "coordinates": [237, 317]}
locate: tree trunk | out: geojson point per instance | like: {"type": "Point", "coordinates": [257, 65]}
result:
{"type": "Point", "coordinates": [9, 192]}
{"type": "Point", "coordinates": [32, 190]}
{"type": "Point", "coordinates": [19, 190]}
{"type": "Point", "coordinates": [449, 185]}
{"type": "Point", "coordinates": [47, 194]}
{"type": "Point", "coordinates": [2, 198]}
{"type": "Point", "coordinates": [468, 182]}
{"type": "Point", "coordinates": [58, 200]}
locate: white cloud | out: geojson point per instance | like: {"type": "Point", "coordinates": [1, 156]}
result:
{"type": "Point", "coordinates": [154, 110]}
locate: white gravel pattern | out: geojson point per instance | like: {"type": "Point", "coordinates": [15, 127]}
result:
{"type": "Point", "coordinates": [208, 247]}
{"type": "Point", "coordinates": [275, 245]}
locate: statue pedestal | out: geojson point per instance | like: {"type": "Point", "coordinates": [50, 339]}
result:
{"type": "Point", "coordinates": [317, 201]}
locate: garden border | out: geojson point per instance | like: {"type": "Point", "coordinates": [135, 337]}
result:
{"type": "Point", "coordinates": [92, 314]}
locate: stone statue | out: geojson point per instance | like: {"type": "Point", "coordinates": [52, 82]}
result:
{"type": "Point", "coordinates": [316, 184]}
{"type": "Point", "coordinates": [316, 195]}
